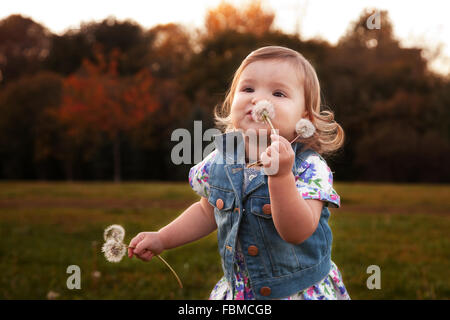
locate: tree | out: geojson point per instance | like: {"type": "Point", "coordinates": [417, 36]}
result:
{"type": "Point", "coordinates": [382, 94]}
{"type": "Point", "coordinates": [251, 19]}
{"type": "Point", "coordinates": [171, 49]}
{"type": "Point", "coordinates": [68, 50]}
{"type": "Point", "coordinates": [361, 34]}
{"type": "Point", "coordinates": [98, 100]}
{"type": "Point", "coordinates": [24, 44]}
{"type": "Point", "coordinates": [27, 134]}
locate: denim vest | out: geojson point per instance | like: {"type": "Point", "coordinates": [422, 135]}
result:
{"type": "Point", "coordinates": [276, 268]}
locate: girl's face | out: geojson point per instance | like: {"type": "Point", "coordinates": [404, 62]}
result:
{"type": "Point", "coordinates": [272, 80]}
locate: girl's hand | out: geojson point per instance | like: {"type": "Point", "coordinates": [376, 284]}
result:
{"type": "Point", "coordinates": [145, 245]}
{"type": "Point", "coordinates": [279, 157]}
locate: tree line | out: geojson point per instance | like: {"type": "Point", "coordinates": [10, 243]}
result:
{"type": "Point", "coordinates": [100, 102]}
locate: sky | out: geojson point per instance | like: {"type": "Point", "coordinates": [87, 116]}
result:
{"type": "Point", "coordinates": [416, 23]}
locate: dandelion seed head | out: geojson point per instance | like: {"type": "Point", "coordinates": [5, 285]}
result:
{"type": "Point", "coordinates": [263, 107]}
{"type": "Point", "coordinates": [305, 128]}
{"type": "Point", "coordinates": [52, 295]}
{"type": "Point", "coordinates": [114, 250]}
{"type": "Point", "coordinates": [115, 231]}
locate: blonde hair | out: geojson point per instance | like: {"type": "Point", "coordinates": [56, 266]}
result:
{"type": "Point", "coordinates": [329, 135]}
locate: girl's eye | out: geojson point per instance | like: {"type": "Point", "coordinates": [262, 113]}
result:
{"type": "Point", "coordinates": [279, 92]}
{"type": "Point", "coordinates": [247, 88]}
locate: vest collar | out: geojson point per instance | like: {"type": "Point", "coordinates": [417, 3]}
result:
{"type": "Point", "coordinates": [231, 148]}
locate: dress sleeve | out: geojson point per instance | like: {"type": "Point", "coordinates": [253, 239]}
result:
{"type": "Point", "coordinates": [314, 180]}
{"type": "Point", "coordinates": [199, 175]}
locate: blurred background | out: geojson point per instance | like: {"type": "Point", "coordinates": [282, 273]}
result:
{"type": "Point", "coordinates": [90, 93]}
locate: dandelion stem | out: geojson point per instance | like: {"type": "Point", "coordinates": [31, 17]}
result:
{"type": "Point", "coordinates": [173, 271]}
{"type": "Point", "coordinates": [267, 120]}
{"type": "Point", "coordinates": [259, 162]}
{"type": "Point", "coordinates": [168, 265]}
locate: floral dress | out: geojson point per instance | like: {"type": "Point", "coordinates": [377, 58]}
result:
{"type": "Point", "coordinates": [314, 180]}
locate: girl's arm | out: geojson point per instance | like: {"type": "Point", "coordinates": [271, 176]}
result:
{"type": "Point", "coordinates": [194, 223]}
{"type": "Point", "coordinates": [295, 218]}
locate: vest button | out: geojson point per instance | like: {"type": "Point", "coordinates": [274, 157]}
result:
{"type": "Point", "coordinates": [219, 204]}
{"type": "Point", "coordinates": [252, 250]}
{"type": "Point", "coordinates": [265, 291]}
{"type": "Point", "coordinates": [266, 209]}
{"type": "Point", "coordinates": [236, 210]}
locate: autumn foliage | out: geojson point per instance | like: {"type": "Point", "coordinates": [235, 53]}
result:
{"type": "Point", "coordinates": [251, 19]}
{"type": "Point", "coordinates": [97, 97]}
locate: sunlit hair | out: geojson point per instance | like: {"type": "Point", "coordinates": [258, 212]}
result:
{"type": "Point", "coordinates": [329, 135]}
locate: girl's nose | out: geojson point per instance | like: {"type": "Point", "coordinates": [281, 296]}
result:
{"type": "Point", "coordinates": [255, 100]}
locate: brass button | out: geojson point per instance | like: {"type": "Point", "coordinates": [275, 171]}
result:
{"type": "Point", "coordinates": [219, 204]}
{"type": "Point", "coordinates": [266, 209]}
{"type": "Point", "coordinates": [265, 291]}
{"type": "Point", "coordinates": [236, 210]}
{"type": "Point", "coordinates": [252, 250]}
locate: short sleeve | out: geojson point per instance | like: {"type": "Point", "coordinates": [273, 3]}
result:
{"type": "Point", "coordinates": [199, 175]}
{"type": "Point", "coordinates": [314, 180]}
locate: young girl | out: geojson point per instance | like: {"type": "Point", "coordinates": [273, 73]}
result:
{"type": "Point", "coordinates": [273, 233]}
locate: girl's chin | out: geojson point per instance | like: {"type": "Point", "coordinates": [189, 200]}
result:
{"type": "Point", "coordinates": [248, 124]}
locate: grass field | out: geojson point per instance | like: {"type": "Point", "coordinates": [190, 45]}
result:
{"type": "Point", "coordinates": [45, 227]}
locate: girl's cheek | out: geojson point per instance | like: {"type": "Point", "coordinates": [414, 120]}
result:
{"type": "Point", "coordinates": [240, 97]}
{"type": "Point", "coordinates": [236, 100]}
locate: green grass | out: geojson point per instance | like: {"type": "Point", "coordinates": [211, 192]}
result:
{"type": "Point", "coordinates": [45, 227]}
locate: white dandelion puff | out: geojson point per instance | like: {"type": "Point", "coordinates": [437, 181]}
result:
{"type": "Point", "coordinates": [114, 250]}
{"type": "Point", "coordinates": [264, 111]}
{"type": "Point", "coordinates": [115, 231]}
{"type": "Point", "coordinates": [304, 128]}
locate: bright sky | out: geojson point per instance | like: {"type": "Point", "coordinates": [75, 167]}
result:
{"type": "Point", "coordinates": [421, 23]}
